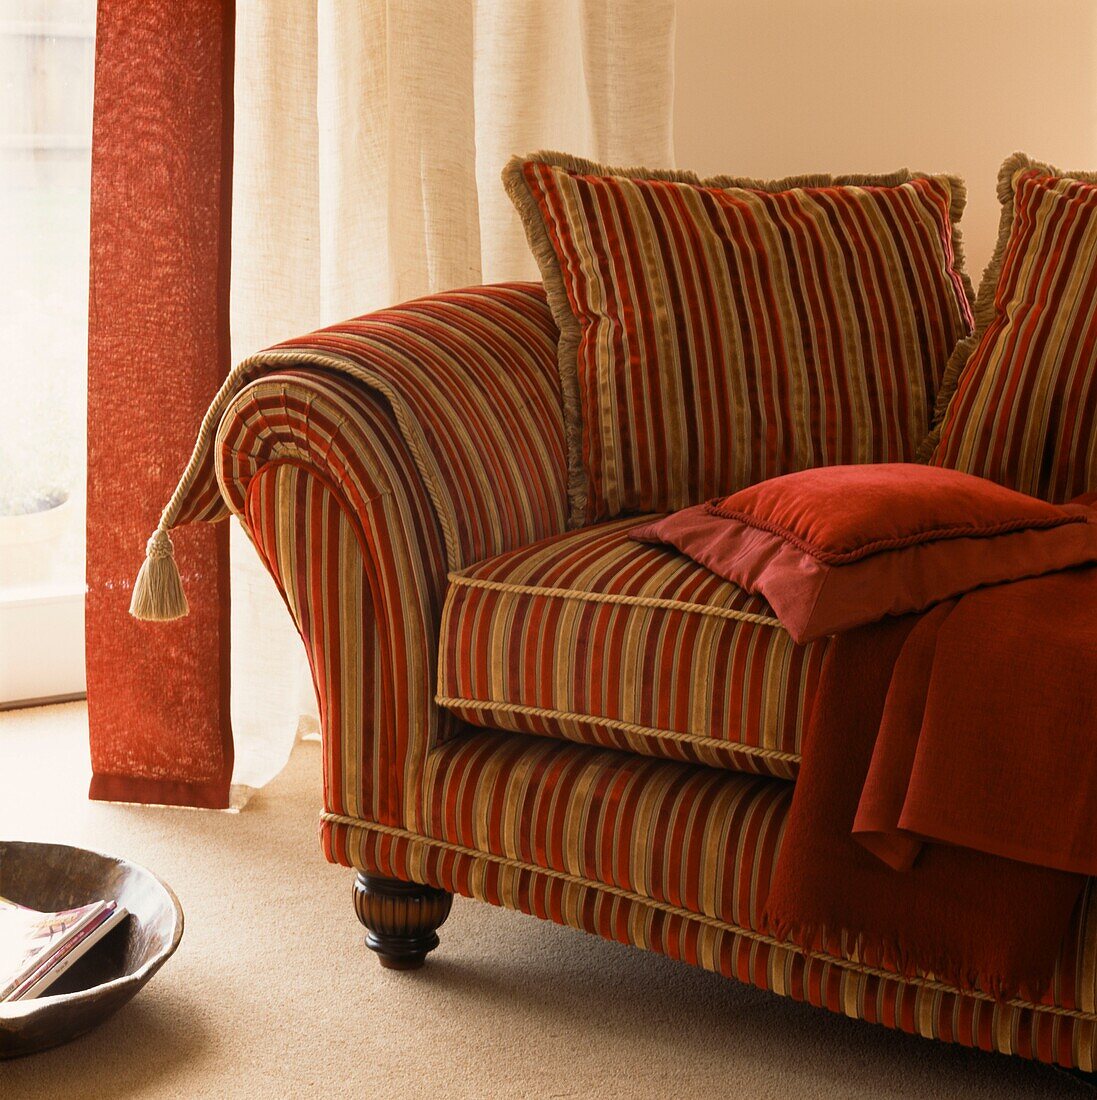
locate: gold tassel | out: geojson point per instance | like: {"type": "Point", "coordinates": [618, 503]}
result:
{"type": "Point", "coordinates": [158, 591]}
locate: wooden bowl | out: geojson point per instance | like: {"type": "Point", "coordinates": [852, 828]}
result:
{"type": "Point", "coordinates": [51, 877]}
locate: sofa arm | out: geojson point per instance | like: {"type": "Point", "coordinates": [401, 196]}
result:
{"type": "Point", "coordinates": [361, 487]}
{"type": "Point", "coordinates": [472, 381]}
{"type": "Point", "coordinates": [316, 469]}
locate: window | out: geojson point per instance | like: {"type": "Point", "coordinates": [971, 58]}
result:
{"type": "Point", "coordinates": [46, 73]}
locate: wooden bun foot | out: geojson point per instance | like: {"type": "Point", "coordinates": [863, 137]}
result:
{"type": "Point", "coordinates": [401, 918]}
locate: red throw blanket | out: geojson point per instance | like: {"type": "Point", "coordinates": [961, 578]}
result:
{"type": "Point", "coordinates": [972, 726]}
{"type": "Point", "coordinates": [997, 747]}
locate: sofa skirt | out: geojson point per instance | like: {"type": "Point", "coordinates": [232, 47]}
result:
{"type": "Point", "coordinates": [643, 909]}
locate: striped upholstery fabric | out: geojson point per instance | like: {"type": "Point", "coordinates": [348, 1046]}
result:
{"type": "Point", "coordinates": [716, 333]}
{"type": "Point", "coordinates": [330, 480]}
{"type": "Point", "coordinates": [471, 379]}
{"type": "Point", "coordinates": [593, 637]}
{"type": "Point", "coordinates": [1024, 411]}
{"type": "Point", "coordinates": [364, 461]}
{"type": "Point", "coordinates": [678, 859]}
{"type": "Point", "coordinates": [319, 473]}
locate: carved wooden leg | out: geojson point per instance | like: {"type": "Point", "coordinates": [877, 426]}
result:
{"type": "Point", "coordinates": [401, 918]}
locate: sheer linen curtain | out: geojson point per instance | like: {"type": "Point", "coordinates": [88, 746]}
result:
{"type": "Point", "coordinates": [369, 138]}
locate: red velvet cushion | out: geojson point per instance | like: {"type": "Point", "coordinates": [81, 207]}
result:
{"type": "Point", "coordinates": [839, 546]}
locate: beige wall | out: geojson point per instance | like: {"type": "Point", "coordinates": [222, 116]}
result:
{"type": "Point", "coordinates": [774, 87]}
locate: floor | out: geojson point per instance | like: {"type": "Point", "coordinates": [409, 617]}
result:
{"type": "Point", "coordinates": [272, 993]}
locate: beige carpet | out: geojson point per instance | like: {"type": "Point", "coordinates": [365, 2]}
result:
{"type": "Point", "coordinates": [272, 993]}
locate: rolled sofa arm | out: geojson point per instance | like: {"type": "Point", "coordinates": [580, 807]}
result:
{"type": "Point", "coordinates": [365, 461]}
{"type": "Point", "coordinates": [316, 469]}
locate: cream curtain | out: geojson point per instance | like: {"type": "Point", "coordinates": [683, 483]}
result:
{"type": "Point", "coordinates": [369, 139]}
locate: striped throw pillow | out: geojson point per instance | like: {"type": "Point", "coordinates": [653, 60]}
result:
{"type": "Point", "coordinates": [1018, 403]}
{"type": "Point", "coordinates": [715, 333]}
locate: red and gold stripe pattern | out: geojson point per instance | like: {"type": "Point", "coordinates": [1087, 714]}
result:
{"type": "Point", "coordinates": [672, 857]}
{"type": "Point", "coordinates": [715, 336]}
{"type": "Point", "coordinates": [678, 859]}
{"type": "Point", "coordinates": [593, 637]}
{"type": "Point", "coordinates": [331, 479]}
{"type": "Point", "coordinates": [320, 475]}
{"type": "Point", "coordinates": [470, 377]}
{"type": "Point", "coordinates": [645, 826]}
{"type": "Point", "coordinates": [365, 460]}
{"type": "Point", "coordinates": [1024, 411]}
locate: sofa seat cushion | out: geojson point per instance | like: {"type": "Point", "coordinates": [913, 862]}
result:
{"type": "Point", "coordinates": [590, 636]}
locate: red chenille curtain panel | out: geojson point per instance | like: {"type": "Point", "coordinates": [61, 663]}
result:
{"type": "Point", "coordinates": [158, 347]}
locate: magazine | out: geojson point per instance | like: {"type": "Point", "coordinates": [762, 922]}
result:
{"type": "Point", "coordinates": [37, 948]}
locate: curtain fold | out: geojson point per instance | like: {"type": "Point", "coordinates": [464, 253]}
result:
{"type": "Point", "coordinates": [369, 139]}
{"type": "Point", "coordinates": [158, 347]}
{"type": "Point", "coordinates": [275, 294]}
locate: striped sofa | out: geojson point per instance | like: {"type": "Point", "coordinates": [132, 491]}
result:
{"type": "Point", "coordinates": [564, 722]}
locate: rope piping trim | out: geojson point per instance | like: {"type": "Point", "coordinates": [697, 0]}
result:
{"type": "Point", "coordinates": [459, 580]}
{"type": "Point", "coordinates": [618, 724]}
{"type": "Point", "coordinates": [714, 922]}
